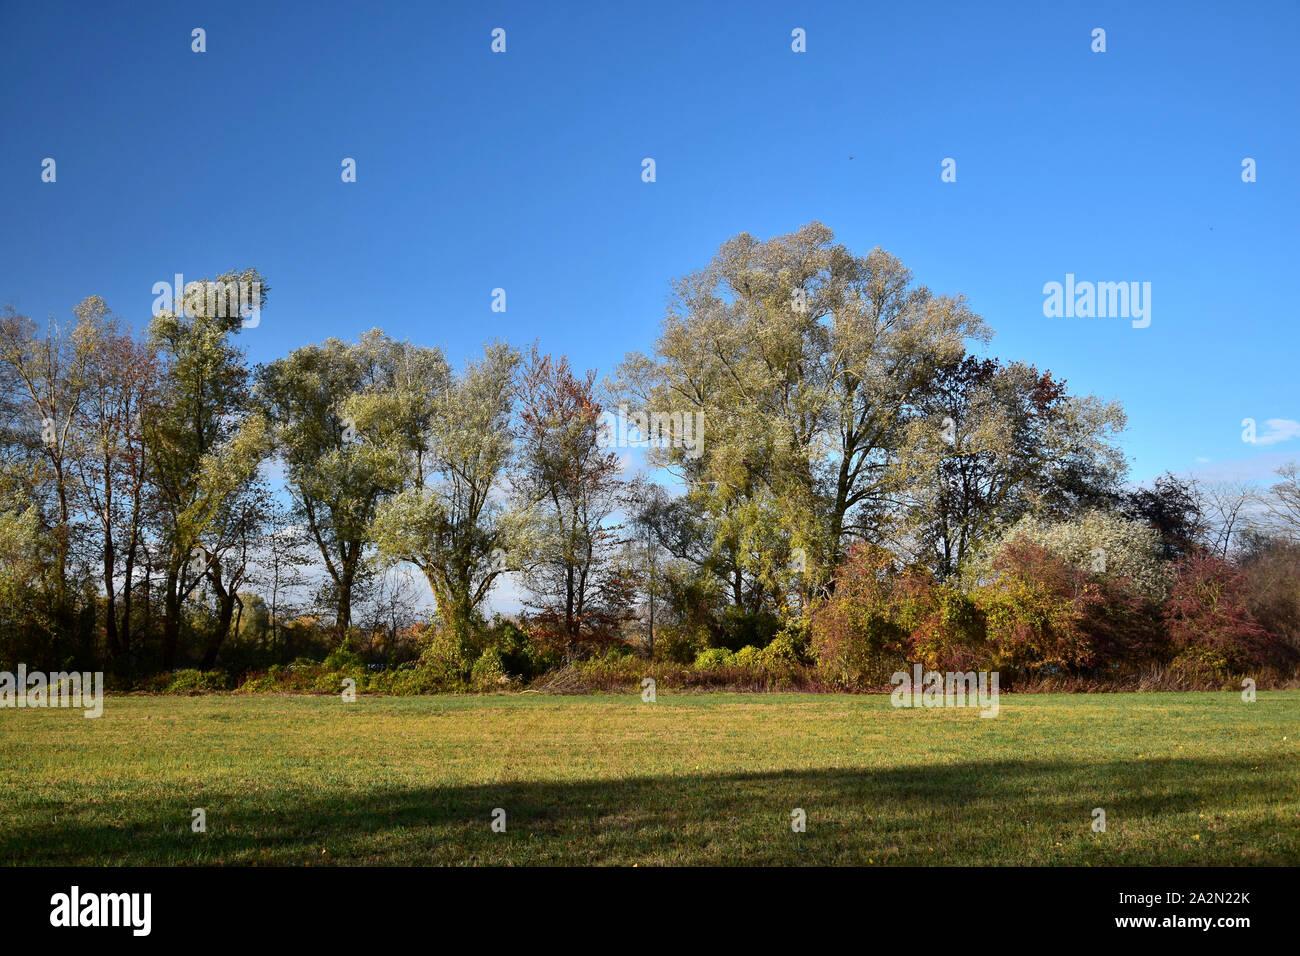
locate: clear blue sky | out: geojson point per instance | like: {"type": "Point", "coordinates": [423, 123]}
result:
{"type": "Point", "coordinates": [479, 170]}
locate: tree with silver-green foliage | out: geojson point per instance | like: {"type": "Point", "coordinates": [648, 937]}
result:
{"type": "Point", "coordinates": [450, 519]}
{"type": "Point", "coordinates": [808, 365]}
{"type": "Point", "coordinates": [45, 372]}
{"type": "Point", "coordinates": [1101, 543]}
{"type": "Point", "coordinates": [27, 557]}
{"type": "Point", "coordinates": [204, 446]}
{"type": "Point", "coordinates": [338, 471]}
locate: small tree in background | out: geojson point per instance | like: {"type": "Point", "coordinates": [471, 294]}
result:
{"type": "Point", "coordinates": [572, 487]}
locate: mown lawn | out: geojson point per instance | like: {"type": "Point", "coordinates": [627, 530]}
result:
{"type": "Point", "coordinates": [694, 779]}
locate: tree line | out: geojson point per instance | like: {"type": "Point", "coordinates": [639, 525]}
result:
{"type": "Point", "coordinates": [164, 504]}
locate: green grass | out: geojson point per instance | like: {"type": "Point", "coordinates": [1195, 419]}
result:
{"type": "Point", "coordinates": [1193, 778]}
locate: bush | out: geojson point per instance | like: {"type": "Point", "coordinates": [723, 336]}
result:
{"type": "Point", "coordinates": [192, 681]}
{"type": "Point", "coordinates": [791, 644]}
{"type": "Point", "coordinates": [740, 628]}
{"type": "Point", "coordinates": [952, 631]}
{"type": "Point", "coordinates": [487, 673]}
{"type": "Point", "coordinates": [1099, 544]}
{"type": "Point", "coordinates": [1272, 570]}
{"type": "Point", "coordinates": [443, 664]}
{"type": "Point", "coordinates": [422, 677]}
{"type": "Point", "coordinates": [612, 670]}
{"type": "Point", "coordinates": [342, 659]}
{"type": "Point", "coordinates": [1208, 623]}
{"type": "Point", "coordinates": [678, 644]}
{"type": "Point", "coordinates": [1124, 628]}
{"type": "Point", "coordinates": [779, 662]}
{"type": "Point", "coordinates": [858, 638]}
{"type": "Point", "coordinates": [521, 658]}
{"type": "Point", "coordinates": [1034, 608]}
{"type": "Point", "coordinates": [712, 657]}
{"type": "Point", "coordinates": [1201, 665]}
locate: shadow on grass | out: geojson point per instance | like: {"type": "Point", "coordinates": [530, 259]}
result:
{"type": "Point", "coordinates": [1168, 811]}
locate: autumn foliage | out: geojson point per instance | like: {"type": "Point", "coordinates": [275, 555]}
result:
{"type": "Point", "coordinates": [1037, 614]}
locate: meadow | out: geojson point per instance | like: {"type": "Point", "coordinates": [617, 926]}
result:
{"type": "Point", "coordinates": [705, 779]}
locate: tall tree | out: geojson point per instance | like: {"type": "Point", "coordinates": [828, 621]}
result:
{"type": "Point", "coordinates": [450, 519]}
{"type": "Point", "coordinates": [1281, 506]}
{"type": "Point", "coordinates": [995, 442]}
{"type": "Point", "coordinates": [806, 364]}
{"type": "Point", "coordinates": [119, 392]}
{"type": "Point", "coordinates": [47, 371]}
{"type": "Point", "coordinates": [336, 472]}
{"type": "Point", "coordinates": [652, 515]}
{"type": "Point", "coordinates": [572, 487]}
{"type": "Point", "coordinates": [204, 445]}
{"type": "Point", "coordinates": [231, 543]}
{"type": "Point", "coordinates": [1177, 509]}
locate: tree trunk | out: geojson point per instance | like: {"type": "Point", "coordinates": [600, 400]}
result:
{"type": "Point", "coordinates": [171, 619]}
{"type": "Point", "coordinates": [343, 619]}
{"type": "Point", "coordinates": [110, 602]}
{"type": "Point", "coordinates": [225, 613]}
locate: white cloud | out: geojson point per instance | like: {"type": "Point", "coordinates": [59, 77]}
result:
{"type": "Point", "coordinates": [1279, 429]}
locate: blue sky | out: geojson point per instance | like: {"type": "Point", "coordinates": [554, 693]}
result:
{"type": "Point", "coordinates": [522, 170]}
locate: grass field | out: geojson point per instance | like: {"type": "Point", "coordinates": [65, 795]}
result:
{"type": "Point", "coordinates": [703, 779]}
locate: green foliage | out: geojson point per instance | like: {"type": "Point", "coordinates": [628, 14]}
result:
{"type": "Point", "coordinates": [488, 674]}
{"type": "Point", "coordinates": [26, 553]}
{"type": "Point", "coordinates": [993, 442]}
{"type": "Point", "coordinates": [679, 644]}
{"type": "Point", "coordinates": [446, 658]}
{"type": "Point", "coordinates": [448, 519]}
{"type": "Point", "coordinates": [777, 664]}
{"type": "Point", "coordinates": [790, 647]}
{"type": "Point", "coordinates": [982, 487]}
{"type": "Point", "coordinates": [424, 677]}
{"type": "Point", "coordinates": [712, 657]}
{"type": "Point", "coordinates": [1201, 664]}
{"type": "Point", "coordinates": [191, 681]}
{"type": "Point", "coordinates": [345, 417]}
{"type": "Point", "coordinates": [740, 626]}
{"type": "Point", "coordinates": [521, 658]}
{"type": "Point", "coordinates": [343, 659]}
{"type": "Point", "coordinates": [612, 669]}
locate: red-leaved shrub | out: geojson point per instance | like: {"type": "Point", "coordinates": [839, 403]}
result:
{"type": "Point", "coordinates": [1210, 629]}
{"type": "Point", "coordinates": [1035, 607]}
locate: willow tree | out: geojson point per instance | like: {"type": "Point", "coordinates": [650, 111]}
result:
{"type": "Point", "coordinates": [807, 364]}
{"type": "Point", "coordinates": [338, 471]}
{"type": "Point", "coordinates": [204, 443]}
{"type": "Point", "coordinates": [45, 373]}
{"type": "Point", "coordinates": [450, 518]}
